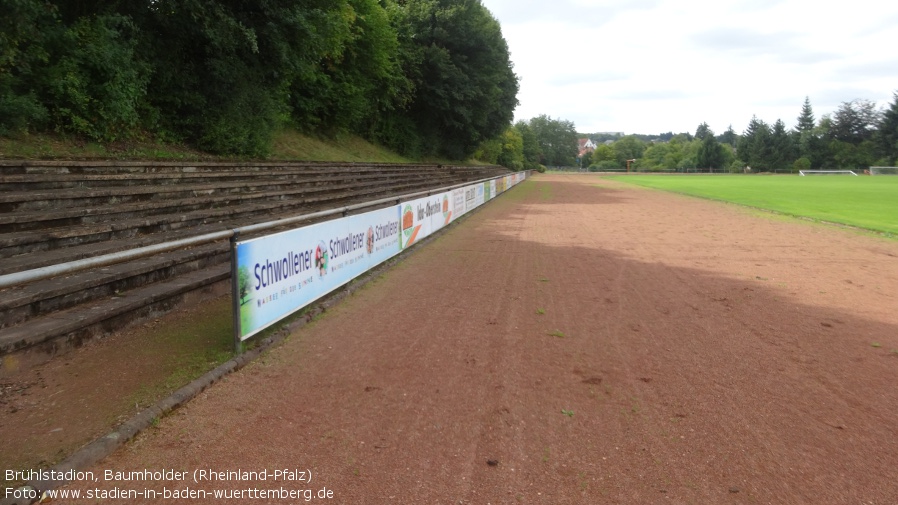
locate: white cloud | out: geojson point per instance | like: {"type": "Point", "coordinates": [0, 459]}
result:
{"type": "Point", "coordinates": [651, 66]}
{"type": "Point", "coordinates": [590, 13]}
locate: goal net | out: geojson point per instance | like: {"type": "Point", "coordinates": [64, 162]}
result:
{"type": "Point", "coordinates": [826, 172]}
{"type": "Point", "coordinates": [883, 170]}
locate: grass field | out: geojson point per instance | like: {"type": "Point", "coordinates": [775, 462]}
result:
{"type": "Point", "coordinates": [865, 202]}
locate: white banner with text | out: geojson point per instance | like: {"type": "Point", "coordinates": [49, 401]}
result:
{"type": "Point", "coordinates": [279, 274]}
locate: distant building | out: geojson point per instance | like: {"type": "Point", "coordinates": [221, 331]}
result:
{"type": "Point", "coordinates": [586, 146]}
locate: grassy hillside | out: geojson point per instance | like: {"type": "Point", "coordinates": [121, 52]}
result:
{"type": "Point", "coordinates": [289, 145]}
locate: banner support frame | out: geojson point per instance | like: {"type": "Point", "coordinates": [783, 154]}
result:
{"type": "Point", "coordinates": [235, 294]}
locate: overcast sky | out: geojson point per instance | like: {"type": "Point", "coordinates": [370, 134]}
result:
{"type": "Point", "coordinates": [652, 66]}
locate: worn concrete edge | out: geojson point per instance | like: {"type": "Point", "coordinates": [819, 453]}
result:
{"type": "Point", "coordinates": [99, 449]}
{"type": "Point", "coordinates": [88, 163]}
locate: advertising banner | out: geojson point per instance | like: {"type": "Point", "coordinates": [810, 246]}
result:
{"type": "Point", "coordinates": [479, 196]}
{"type": "Point", "coordinates": [424, 216]}
{"type": "Point", "coordinates": [500, 185]}
{"type": "Point", "coordinates": [457, 202]}
{"type": "Point", "coordinates": [281, 273]}
{"type": "Point", "coordinates": [473, 196]}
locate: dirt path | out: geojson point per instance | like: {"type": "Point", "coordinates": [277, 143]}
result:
{"type": "Point", "coordinates": [51, 410]}
{"type": "Point", "coordinates": [577, 341]}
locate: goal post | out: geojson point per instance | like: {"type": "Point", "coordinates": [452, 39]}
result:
{"type": "Point", "coordinates": [826, 172]}
{"type": "Point", "coordinates": [883, 170]}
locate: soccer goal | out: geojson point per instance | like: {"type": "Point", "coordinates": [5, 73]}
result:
{"type": "Point", "coordinates": [826, 172]}
{"type": "Point", "coordinates": [883, 170]}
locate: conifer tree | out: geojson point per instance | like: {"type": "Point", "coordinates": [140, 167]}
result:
{"type": "Point", "coordinates": [806, 118]}
{"type": "Point", "coordinates": [887, 138]}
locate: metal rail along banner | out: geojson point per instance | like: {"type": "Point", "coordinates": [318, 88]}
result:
{"type": "Point", "coordinates": [281, 273]}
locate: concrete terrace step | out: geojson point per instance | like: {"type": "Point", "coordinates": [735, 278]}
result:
{"type": "Point", "coordinates": [20, 303]}
{"type": "Point", "coordinates": [17, 221]}
{"type": "Point", "coordinates": [56, 212]}
{"type": "Point", "coordinates": [76, 324]}
{"type": "Point", "coordinates": [24, 200]}
{"type": "Point", "coordinates": [55, 167]}
{"type": "Point", "coordinates": [26, 241]}
{"type": "Point", "coordinates": [32, 182]}
{"type": "Point", "coordinates": [31, 261]}
{"type": "Point", "coordinates": [88, 174]}
{"type": "Point", "coordinates": [91, 241]}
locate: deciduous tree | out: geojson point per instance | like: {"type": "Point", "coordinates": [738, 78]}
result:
{"type": "Point", "coordinates": [604, 152]}
{"type": "Point", "coordinates": [531, 150]}
{"type": "Point", "coordinates": [465, 90]}
{"type": "Point", "coordinates": [511, 154]}
{"type": "Point", "coordinates": [655, 157]}
{"type": "Point", "coordinates": [557, 139]}
{"type": "Point", "coordinates": [628, 148]}
{"type": "Point", "coordinates": [24, 27]}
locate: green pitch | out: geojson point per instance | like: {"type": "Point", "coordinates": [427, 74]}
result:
{"type": "Point", "coordinates": [866, 202]}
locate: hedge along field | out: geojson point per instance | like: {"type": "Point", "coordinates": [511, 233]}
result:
{"type": "Point", "coordinates": [865, 202]}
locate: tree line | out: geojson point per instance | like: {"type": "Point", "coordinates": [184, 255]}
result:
{"type": "Point", "coordinates": [533, 145]}
{"type": "Point", "coordinates": [856, 136]}
{"type": "Point", "coordinates": [422, 77]}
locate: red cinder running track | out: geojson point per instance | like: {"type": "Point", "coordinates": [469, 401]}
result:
{"type": "Point", "coordinates": [577, 341]}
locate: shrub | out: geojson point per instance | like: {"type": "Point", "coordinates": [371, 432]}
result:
{"type": "Point", "coordinates": [605, 165]}
{"type": "Point", "coordinates": [801, 164]}
{"type": "Point", "coordinates": [19, 112]}
{"type": "Point", "coordinates": [94, 85]}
